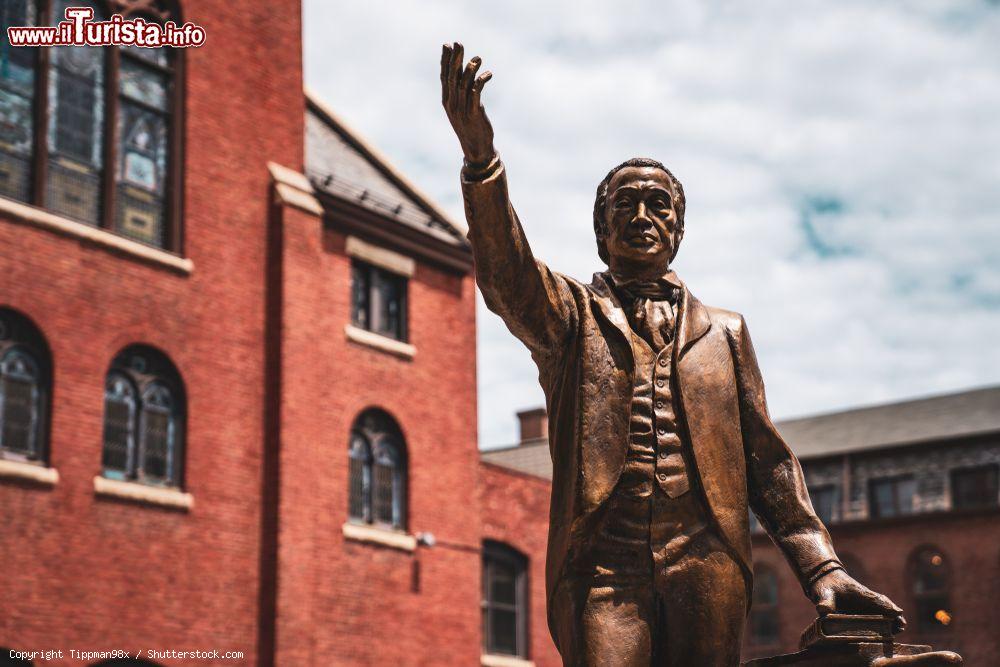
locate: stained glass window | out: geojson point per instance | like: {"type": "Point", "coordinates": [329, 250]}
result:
{"type": "Point", "coordinates": [119, 426]}
{"type": "Point", "coordinates": [377, 472]}
{"type": "Point", "coordinates": [24, 388]}
{"type": "Point", "coordinates": [94, 149]}
{"type": "Point", "coordinates": [142, 142]}
{"type": "Point", "coordinates": [143, 415]}
{"type": "Point", "coordinates": [360, 483]}
{"type": "Point", "coordinates": [17, 88]}
{"type": "Point", "coordinates": [76, 126]}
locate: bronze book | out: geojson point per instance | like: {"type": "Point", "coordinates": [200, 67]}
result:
{"type": "Point", "coordinates": [844, 628]}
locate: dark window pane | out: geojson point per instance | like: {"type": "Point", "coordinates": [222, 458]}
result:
{"type": "Point", "coordinates": [504, 631]}
{"type": "Point", "coordinates": [389, 301]}
{"type": "Point", "coordinates": [19, 399]}
{"type": "Point", "coordinates": [930, 590]}
{"type": "Point", "coordinates": [765, 588]}
{"type": "Point", "coordinates": [975, 487]}
{"type": "Point", "coordinates": [933, 612]}
{"type": "Point", "coordinates": [824, 501]}
{"type": "Point", "coordinates": [764, 626]}
{"type": "Point", "coordinates": [119, 420]}
{"type": "Point", "coordinates": [360, 286]}
{"type": "Point", "coordinates": [384, 485]}
{"type": "Point", "coordinates": [892, 496]}
{"type": "Point", "coordinates": [156, 442]}
{"type": "Point", "coordinates": [503, 584]}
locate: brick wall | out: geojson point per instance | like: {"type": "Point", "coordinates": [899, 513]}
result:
{"type": "Point", "coordinates": [344, 602]}
{"type": "Point", "coordinates": [516, 512]}
{"type": "Point", "coordinates": [90, 573]}
{"type": "Point", "coordinates": [970, 544]}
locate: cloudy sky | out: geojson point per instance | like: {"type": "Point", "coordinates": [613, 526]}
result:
{"type": "Point", "coordinates": [841, 161]}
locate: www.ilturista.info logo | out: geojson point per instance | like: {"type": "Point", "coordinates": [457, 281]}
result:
{"type": "Point", "coordinates": [79, 29]}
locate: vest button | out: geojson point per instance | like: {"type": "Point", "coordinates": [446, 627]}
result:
{"type": "Point", "coordinates": [661, 431]}
{"type": "Point", "coordinates": [659, 405]}
{"type": "Point", "coordinates": [659, 383]}
{"type": "Point", "coordinates": [662, 477]}
{"type": "Point", "coordinates": [663, 362]}
{"type": "Point", "coordinates": [663, 454]}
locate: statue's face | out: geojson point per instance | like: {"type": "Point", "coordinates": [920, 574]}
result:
{"type": "Point", "coordinates": [640, 219]}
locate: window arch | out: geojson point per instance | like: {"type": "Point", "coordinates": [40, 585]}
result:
{"type": "Point", "coordinates": [25, 388]}
{"type": "Point", "coordinates": [94, 134]}
{"type": "Point", "coordinates": [764, 627]}
{"type": "Point", "coordinates": [377, 471]}
{"type": "Point", "coordinates": [143, 418]}
{"type": "Point", "coordinates": [504, 600]}
{"type": "Point", "coordinates": [930, 577]}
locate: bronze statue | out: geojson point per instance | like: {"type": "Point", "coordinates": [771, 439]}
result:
{"type": "Point", "coordinates": [658, 427]}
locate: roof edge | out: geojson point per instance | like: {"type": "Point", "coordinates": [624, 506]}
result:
{"type": "Point", "coordinates": [379, 159]}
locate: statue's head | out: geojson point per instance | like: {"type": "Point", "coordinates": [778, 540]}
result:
{"type": "Point", "coordinates": [639, 216]}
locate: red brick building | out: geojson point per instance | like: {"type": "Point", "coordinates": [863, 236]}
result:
{"type": "Point", "coordinates": [237, 363]}
{"type": "Point", "coordinates": [910, 492]}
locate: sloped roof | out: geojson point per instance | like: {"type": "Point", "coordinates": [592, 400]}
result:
{"type": "Point", "coordinates": [340, 163]}
{"type": "Point", "coordinates": [934, 418]}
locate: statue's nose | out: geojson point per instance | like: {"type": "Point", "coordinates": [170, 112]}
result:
{"type": "Point", "coordinates": [641, 215]}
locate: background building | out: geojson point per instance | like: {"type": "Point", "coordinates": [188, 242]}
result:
{"type": "Point", "coordinates": [908, 490]}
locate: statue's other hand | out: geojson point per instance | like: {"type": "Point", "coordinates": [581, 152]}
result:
{"type": "Point", "coordinates": [838, 592]}
{"type": "Point", "coordinates": [460, 93]}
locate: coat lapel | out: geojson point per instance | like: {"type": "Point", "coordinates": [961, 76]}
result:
{"type": "Point", "coordinates": [694, 322]}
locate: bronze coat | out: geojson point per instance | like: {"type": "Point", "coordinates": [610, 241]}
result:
{"type": "Point", "coordinates": [579, 338]}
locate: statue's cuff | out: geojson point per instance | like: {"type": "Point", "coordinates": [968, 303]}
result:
{"type": "Point", "coordinates": [821, 571]}
{"type": "Point", "coordinates": [481, 172]}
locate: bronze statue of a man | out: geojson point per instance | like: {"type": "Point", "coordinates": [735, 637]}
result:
{"type": "Point", "coordinates": [658, 428]}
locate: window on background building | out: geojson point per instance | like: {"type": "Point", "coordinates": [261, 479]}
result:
{"type": "Point", "coordinates": [891, 496]}
{"type": "Point", "coordinates": [143, 418]}
{"type": "Point", "coordinates": [377, 471]}
{"type": "Point", "coordinates": [764, 628]}
{"type": "Point", "coordinates": [826, 502]}
{"type": "Point", "coordinates": [973, 488]}
{"type": "Point", "coordinates": [505, 601]}
{"type": "Point", "coordinates": [378, 300]}
{"type": "Point", "coordinates": [93, 133]}
{"type": "Point", "coordinates": [930, 577]}
{"type": "Point", "coordinates": [25, 388]}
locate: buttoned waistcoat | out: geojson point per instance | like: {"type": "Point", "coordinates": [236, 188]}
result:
{"type": "Point", "coordinates": [578, 336]}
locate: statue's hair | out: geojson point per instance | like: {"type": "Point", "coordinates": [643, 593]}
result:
{"type": "Point", "coordinates": [601, 202]}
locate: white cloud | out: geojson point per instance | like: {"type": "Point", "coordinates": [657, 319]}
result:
{"type": "Point", "coordinates": [873, 123]}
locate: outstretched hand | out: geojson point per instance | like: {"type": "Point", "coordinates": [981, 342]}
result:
{"type": "Point", "coordinates": [839, 592]}
{"type": "Point", "coordinates": [460, 93]}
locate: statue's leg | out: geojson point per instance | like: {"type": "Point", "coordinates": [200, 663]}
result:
{"type": "Point", "coordinates": [616, 625]}
{"type": "Point", "coordinates": [702, 605]}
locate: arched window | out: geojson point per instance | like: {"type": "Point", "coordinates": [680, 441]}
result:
{"type": "Point", "coordinates": [764, 628]}
{"type": "Point", "coordinates": [25, 382]}
{"type": "Point", "coordinates": [143, 418]}
{"type": "Point", "coordinates": [93, 133]}
{"type": "Point", "coordinates": [930, 579]}
{"type": "Point", "coordinates": [377, 471]}
{"type": "Point", "coordinates": [504, 600]}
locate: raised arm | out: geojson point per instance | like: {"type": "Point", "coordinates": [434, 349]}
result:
{"type": "Point", "coordinates": [779, 498]}
{"type": "Point", "coordinates": [535, 303]}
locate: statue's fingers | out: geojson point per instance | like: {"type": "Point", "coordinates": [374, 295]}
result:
{"type": "Point", "coordinates": [445, 66]}
{"type": "Point", "coordinates": [469, 80]}
{"type": "Point", "coordinates": [455, 69]}
{"type": "Point", "coordinates": [477, 87]}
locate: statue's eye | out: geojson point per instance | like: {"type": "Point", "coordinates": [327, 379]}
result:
{"type": "Point", "coordinates": [660, 203]}
{"type": "Point", "coordinates": [622, 204]}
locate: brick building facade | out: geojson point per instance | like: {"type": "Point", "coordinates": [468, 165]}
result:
{"type": "Point", "coordinates": [237, 363]}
